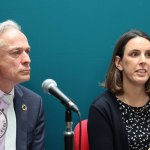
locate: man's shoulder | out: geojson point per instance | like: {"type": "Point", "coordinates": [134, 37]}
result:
{"type": "Point", "coordinates": [22, 90]}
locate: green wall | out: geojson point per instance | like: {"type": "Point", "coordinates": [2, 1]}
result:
{"type": "Point", "coordinates": [72, 42]}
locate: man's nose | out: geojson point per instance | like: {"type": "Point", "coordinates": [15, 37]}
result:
{"type": "Point", "coordinates": [26, 58]}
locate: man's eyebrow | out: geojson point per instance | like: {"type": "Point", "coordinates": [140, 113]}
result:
{"type": "Point", "coordinates": [21, 48]}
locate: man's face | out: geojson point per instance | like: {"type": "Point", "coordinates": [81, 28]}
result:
{"type": "Point", "coordinates": [14, 57]}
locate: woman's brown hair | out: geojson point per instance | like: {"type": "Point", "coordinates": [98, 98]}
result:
{"type": "Point", "coordinates": [113, 80]}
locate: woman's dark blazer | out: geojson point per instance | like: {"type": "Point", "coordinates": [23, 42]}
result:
{"type": "Point", "coordinates": [106, 130]}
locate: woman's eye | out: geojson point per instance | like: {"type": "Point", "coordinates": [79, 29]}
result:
{"type": "Point", "coordinates": [133, 54]}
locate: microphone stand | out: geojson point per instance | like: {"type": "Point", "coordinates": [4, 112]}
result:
{"type": "Point", "coordinates": [68, 134]}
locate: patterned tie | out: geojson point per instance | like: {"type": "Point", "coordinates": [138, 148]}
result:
{"type": "Point", "coordinates": [3, 123]}
{"type": "Point", "coordinates": [10, 138]}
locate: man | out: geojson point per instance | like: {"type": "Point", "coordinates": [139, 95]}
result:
{"type": "Point", "coordinates": [22, 126]}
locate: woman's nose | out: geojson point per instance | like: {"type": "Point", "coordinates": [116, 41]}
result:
{"type": "Point", "coordinates": [142, 59]}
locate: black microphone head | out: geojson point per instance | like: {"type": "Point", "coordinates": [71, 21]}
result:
{"type": "Point", "coordinates": [47, 84]}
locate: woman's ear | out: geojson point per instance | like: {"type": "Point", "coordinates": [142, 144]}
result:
{"type": "Point", "coordinates": [118, 63]}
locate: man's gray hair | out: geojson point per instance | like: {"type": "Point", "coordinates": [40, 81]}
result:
{"type": "Point", "coordinates": [8, 24]}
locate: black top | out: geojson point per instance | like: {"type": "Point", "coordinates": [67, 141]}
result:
{"type": "Point", "coordinates": [107, 127]}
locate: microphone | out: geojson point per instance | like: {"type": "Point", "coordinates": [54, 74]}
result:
{"type": "Point", "coordinates": [50, 86]}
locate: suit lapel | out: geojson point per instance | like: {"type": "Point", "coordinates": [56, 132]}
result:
{"type": "Point", "coordinates": [21, 118]}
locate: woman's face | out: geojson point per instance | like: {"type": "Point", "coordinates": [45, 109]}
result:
{"type": "Point", "coordinates": [135, 64]}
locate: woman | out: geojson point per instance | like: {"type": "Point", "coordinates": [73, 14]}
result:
{"type": "Point", "coordinates": [119, 119]}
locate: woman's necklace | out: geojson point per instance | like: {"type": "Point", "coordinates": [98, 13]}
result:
{"type": "Point", "coordinates": [136, 110]}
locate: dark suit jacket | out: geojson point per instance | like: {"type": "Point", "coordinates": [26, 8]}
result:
{"type": "Point", "coordinates": [106, 130]}
{"type": "Point", "coordinates": [30, 119]}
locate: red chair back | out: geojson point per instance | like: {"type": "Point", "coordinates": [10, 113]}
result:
{"type": "Point", "coordinates": [84, 137]}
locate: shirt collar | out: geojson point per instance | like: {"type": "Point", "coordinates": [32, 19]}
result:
{"type": "Point", "coordinates": [11, 92]}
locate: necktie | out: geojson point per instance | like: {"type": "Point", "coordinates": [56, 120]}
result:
{"type": "Point", "coordinates": [10, 138]}
{"type": "Point", "coordinates": [3, 123]}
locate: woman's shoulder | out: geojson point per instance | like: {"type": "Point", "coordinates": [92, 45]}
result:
{"type": "Point", "coordinates": [106, 99]}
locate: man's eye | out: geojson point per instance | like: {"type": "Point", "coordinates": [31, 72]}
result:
{"type": "Point", "coordinates": [147, 54]}
{"type": "Point", "coordinates": [28, 52]}
{"type": "Point", "coordinates": [15, 53]}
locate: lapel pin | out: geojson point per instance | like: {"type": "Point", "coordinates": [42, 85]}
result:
{"type": "Point", "coordinates": [24, 107]}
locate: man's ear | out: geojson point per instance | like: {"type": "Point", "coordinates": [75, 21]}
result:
{"type": "Point", "coordinates": [118, 63]}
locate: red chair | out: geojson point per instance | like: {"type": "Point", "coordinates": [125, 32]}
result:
{"type": "Point", "coordinates": [84, 136]}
